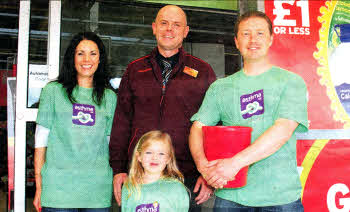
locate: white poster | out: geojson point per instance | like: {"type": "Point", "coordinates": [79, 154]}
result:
{"type": "Point", "coordinates": [37, 79]}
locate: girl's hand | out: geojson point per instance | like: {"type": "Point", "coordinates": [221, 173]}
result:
{"type": "Point", "coordinates": [37, 200]}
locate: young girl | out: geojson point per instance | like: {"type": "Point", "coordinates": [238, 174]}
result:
{"type": "Point", "coordinates": [154, 183]}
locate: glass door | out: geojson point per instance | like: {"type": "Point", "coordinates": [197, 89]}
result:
{"type": "Point", "coordinates": [37, 62]}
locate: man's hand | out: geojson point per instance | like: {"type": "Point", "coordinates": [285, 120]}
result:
{"type": "Point", "coordinates": [205, 190]}
{"type": "Point", "coordinates": [37, 200]}
{"type": "Point", "coordinates": [220, 171]}
{"type": "Point", "coordinates": [118, 181]}
{"type": "Point", "coordinates": [208, 173]}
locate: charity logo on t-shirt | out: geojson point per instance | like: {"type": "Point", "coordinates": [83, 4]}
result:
{"type": "Point", "coordinates": [83, 114]}
{"type": "Point", "coordinates": [252, 104]}
{"type": "Point", "coordinates": [151, 207]}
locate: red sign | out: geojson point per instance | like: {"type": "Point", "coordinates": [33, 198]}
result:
{"type": "Point", "coordinates": [307, 41]}
{"type": "Point", "coordinates": [3, 89]}
{"type": "Point", "coordinates": [296, 34]}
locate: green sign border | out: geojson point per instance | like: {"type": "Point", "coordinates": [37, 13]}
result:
{"type": "Point", "coordinates": [216, 4]}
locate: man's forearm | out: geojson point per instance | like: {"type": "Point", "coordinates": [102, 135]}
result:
{"type": "Point", "coordinates": [196, 146]}
{"type": "Point", "coordinates": [118, 152]}
{"type": "Point", "coordinates": [121, 127]}
{"type": "Point", "coordinates": [267, 144]}
{"type": "Point", "coordinates": [118, 145]}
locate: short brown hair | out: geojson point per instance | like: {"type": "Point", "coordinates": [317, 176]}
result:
{"type": "Point", "coordinates": [250, 14]}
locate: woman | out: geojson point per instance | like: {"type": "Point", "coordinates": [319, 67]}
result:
{"type": "Point", "coordinates": [73, 127]}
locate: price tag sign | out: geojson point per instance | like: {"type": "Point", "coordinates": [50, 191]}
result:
{"type": "Point", "coordinates": [291, 17]}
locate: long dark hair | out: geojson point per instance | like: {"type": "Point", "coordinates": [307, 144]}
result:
{"type": "Point", "coordinates": [68, 74]}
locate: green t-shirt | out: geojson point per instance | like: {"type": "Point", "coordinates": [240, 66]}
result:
{"type": "Point", "coordinates": [257, 101]}
{"type": "Point", "coordinates": [164, 195]}
{"type": "Point", "coordinates": [76, 173]}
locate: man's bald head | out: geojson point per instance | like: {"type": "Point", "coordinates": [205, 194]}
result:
{"type": "Point", "coordinates": [170, 29]}
{"type": "Point", "coordinates": [173, 8]}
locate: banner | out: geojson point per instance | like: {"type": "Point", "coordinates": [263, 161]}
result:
{"type": "Point", "coordinates": [11, 106]}
{"type": "Point", "coordinates": [312, 39]}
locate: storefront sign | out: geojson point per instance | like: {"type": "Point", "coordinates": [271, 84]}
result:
{"type": "Point", "coordinates": [312, 39]}
{"type": "Point", "coordinates": [38, 78]}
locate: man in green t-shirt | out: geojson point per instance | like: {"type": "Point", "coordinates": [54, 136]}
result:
{"type": "Point", "coordinates": [268, 99]}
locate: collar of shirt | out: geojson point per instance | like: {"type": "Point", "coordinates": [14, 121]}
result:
{"type": "Point", "coordinates": [172, 60]}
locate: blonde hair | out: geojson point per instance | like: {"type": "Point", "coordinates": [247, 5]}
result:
{"type": "Point", "coordinates": [136, 172]}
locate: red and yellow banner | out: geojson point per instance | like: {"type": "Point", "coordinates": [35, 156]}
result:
{"type": "Point", "coordinates": [312, 39]}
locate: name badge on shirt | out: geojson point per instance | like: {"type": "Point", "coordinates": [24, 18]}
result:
{"type": "Point", "coordinates": [190, 71]}
{"type": "Point", "coordinates": [153, 207]}
{"type": "Point", "coordinates": [252, 104]}
{"type": "Point", "coordinates": [83, 114]}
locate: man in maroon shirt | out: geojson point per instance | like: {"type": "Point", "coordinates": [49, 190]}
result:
{"type": "Point", "coordinates": [161, 91]}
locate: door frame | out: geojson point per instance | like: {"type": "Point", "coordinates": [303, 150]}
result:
{"type": "Point", "coordinates": [24, 114]}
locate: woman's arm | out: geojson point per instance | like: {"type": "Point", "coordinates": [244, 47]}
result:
{"type": "Point", "coordinates": [39, 160]}
{"type": "Point", "coordinates": [41, 139]}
